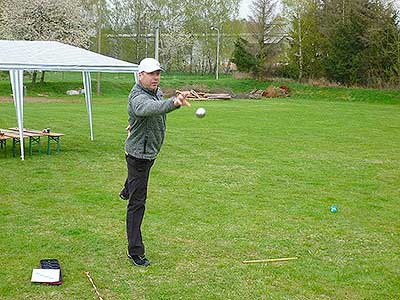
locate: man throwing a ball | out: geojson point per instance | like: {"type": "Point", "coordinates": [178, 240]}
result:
{"type": "Point", "coordinates": [147, 123]}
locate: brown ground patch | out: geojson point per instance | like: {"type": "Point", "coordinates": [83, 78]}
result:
{"type": "Point", "coordinates": [40, 100]}
{"type": "Point", "coordinates": [169, 92]}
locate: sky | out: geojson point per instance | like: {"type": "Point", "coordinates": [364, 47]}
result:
{"type": "Point", "coordinates": [244, 8]}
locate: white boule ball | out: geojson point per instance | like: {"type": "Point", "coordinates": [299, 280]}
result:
{"type": "Point", "coordinates": [200, 112]}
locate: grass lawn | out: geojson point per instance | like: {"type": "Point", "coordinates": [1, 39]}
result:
{"type": "Point", "coordinates": [254, 179]}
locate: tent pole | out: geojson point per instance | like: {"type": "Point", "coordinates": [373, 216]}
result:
{"type": "Point", "coordinates": [88, 97]}
{"type": "Point", "coordinates": [17, 83]}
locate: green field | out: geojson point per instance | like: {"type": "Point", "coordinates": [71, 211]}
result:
{"type": "Point", "coordinates": [254, 179]}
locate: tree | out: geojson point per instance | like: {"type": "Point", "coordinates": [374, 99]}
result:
{"type": "Point", "coordinates": [96, 10]}
{"type": "Point", "coordinates": [347, 41]}
{"type": "Point", "coordinates": [243, 58]}
{"type": "Point", "coordinates": [306, 41]}
{"type": "Point", "coordinates": [264, 31]}
{"type": "Point", "coordinates": [175, 41]}
{"type": "Point", "coordinates": [133, 24]}
{"type": "Point", "coordinates": [198, 18]}
{"type": "Point", "coordinates": [175, 44]}
{"type": "Point", "coordinates": [382, 53]}
{"type": "Point", "coordinates": [44, 20]}
{"type": "Point", "coordinates": [184, 27]}
{"type": "Point", "coordinates": [363, 43]}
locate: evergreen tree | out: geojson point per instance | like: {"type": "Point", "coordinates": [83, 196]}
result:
{"type": "Point", "coordinates": [382, 54]}
{"type": "Point", "coordinates": [243, 58]}
{"type": "Point", "coordinates": [364, 42]}
{"type": "Point", "coordinates": [348, 41]}
{"type": "Point", "coordinates": [344, 62]}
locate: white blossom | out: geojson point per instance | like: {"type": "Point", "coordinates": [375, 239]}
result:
{"type": "Point", "coordinates": [46, 20]}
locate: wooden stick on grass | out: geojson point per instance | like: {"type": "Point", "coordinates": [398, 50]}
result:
{"type": "Point", "coordinates": [94, 286]}
{"type": "Point", "coordinates": [194, 93]}
{"type": "Point", "coordinates": [268, 260]}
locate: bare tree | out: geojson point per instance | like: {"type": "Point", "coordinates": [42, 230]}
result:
{"type": "Point", "coordinates": [184, 27]}
{"type": "Point", "coordinates": [263, 28]}
{"type": "Point", "coordinates": [302, 32]}
{"type": "Point", "coordinates": [199, 17]}
{"type": "Point", "coordinates": [96, 11]}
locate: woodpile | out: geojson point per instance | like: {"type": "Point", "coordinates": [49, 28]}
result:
{"type": "Point", "coordinates": [202, 96]}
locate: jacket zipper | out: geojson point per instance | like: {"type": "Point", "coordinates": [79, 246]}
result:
{"type": "Point", "coordinates": [144, 145]}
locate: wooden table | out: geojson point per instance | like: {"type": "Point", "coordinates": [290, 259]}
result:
{"type": "Point", "coordinates": [11, 135]}
{"type": "Point", "coordinates": [33, 138]}
{"type": "Point", "coordinates": [51, 136]}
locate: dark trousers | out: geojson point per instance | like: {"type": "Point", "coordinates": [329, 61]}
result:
{"type": "Point", "coordinates": [136, 186]}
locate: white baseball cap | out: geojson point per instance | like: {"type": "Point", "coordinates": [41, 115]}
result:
{"type": "Point", "coordinates": [149, 65]}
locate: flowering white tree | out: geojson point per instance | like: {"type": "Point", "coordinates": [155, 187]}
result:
{"type": "Point", "coordinates": [175, 42]}
{"type": "Point", "coordinates": [55, 20]}
{"type": "Point", "coordinates": [184, 27]}
{"type": "Point", "coordinates": [44, 20]}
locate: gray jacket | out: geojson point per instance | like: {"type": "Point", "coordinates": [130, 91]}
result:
{"type": "Point", "coordinates": [147, 115]}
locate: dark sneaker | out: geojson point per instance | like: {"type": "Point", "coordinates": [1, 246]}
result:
{"type": "Point", "coordinates": [123, 196]}
{"type": "Point", "coordinates": [138, 260]}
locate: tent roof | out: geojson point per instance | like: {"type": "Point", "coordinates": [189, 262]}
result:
{"type": "Point", "coordinates": [55, 56]}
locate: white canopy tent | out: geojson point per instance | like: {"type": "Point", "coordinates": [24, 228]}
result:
{"type": "Point", "coordinates": [19, 56]}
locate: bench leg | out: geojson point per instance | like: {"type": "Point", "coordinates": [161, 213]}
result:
{"type": "Point", "coordinates": [30, 146]}
{"type": "Point", "coordinates": [58, 144]}
{"type": "Point", "coordinates": [14, 146]}
{"type": "Point", "coordinates": [48, 145]}
{"type": "Point", "coordinates": [37, 141]}
{"type": "Point", "coordinates": [4, 142]}
{"type": "Point", "coordinates": [53, 138]}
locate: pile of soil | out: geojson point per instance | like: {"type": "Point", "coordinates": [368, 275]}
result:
{"type": "Point", "coordinates": [270, 92]}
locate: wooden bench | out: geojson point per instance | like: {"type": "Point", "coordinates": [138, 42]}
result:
{"type": "Point", "coordinates": [51, 136]}
{"type": "Point", "coordinates": [11, 135]}
{"type": "Point", "coordinates": [33, 138]}
{"type": "Point", "coordinates": [3, 142]}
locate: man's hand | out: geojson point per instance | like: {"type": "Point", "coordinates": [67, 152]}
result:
{"type": "Point", "coordinates": [180, 99]}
